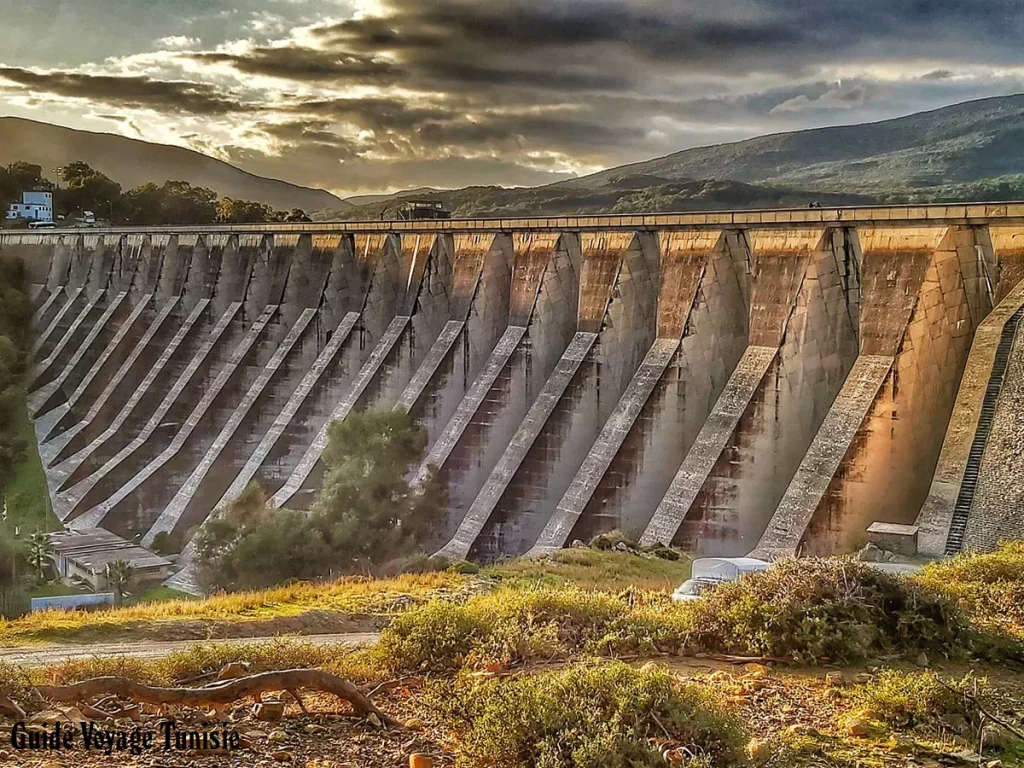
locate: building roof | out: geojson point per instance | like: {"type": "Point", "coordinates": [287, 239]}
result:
{"type": "Point", "coordinates": [92, 548]}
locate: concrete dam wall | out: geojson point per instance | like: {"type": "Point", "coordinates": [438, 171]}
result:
{"type": "Point", "coordinates": [760, 381]}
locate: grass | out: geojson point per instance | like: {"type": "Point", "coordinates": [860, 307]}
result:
{"type": "Point", "coordinates": [989, 588]}
{"type": "Point", "coordinates": [28, 505]}
{"type": "Point", "coordinates": [354, 595]}
{"type": "Point", "coordinates": [160, 609]}
{"type": "Point", "coordinates": [593, 569]}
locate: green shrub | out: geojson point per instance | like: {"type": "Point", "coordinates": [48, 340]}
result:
{"type": "Point", "coordinates": [988, 588]}
{"type": "Point", "coordinates": [591, 715]}
{"type": "Point", "coordinates": [516, 625]}
{"type": "Point", "coordinates": [908, 700]}
{"type": "Point", "coordinates": [816, 609]}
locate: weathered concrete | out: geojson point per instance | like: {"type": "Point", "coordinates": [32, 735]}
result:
{"type": "Point", "coordinates": [683, 259]}
{"type": "Point", "coordinates": [962, 444]}
{"type": "Point", "coordinates": [557, 405]}
{"type": "Point", "coordinates": [914, 329]}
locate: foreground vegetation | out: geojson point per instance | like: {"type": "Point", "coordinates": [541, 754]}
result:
{"type": "Point", "coordinates": [494, 668]}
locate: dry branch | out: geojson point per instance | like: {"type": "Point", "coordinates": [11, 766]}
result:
{"type": "Point", "coordinates": [227, 692]}
{"type": "Point", "coordinates": [11, 708]}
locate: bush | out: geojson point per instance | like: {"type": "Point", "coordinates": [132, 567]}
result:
{"type": "Point", "coordinates": [826, 609]}
{"type": "Point", "coordinates": [591, 715]}
{"type": "Point", "coordinates": [989, 588]}
{"type": "Point", "coordinates": [512, 626]}
{"type": "Point", "coordinates": [908, 700]}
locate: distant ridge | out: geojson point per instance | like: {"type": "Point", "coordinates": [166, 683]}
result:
{"type": "Point", "coordinates": [132, 162]}
{"type": "Point", "coordinates": [955, 151]}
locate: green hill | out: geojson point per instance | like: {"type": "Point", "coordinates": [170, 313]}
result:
{"type": "Point", "coordinates": [131, 162]}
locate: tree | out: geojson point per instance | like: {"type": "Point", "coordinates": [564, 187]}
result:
{"type": "Point", "coordinates": [232, 211]}
{"type": "Point", "coordinates": [15, 314]}
{"type": "Point", "coordinates": [39, 549]}
{"type": "Point", "coordinates": [366, 514]}
{"type": "Point", "coordinates": [248, 544]}
{"type": "Point", "coordinates": [297, 214]}
{"type": "Point", "coordinates": [119, 576]}
{"type": "Point", "coordinates": [89, 190]}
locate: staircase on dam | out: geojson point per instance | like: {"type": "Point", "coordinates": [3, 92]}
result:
{"type": "Point", "coordinates": [766, 382]}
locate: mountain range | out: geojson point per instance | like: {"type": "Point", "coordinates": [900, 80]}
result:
{"type": "Point", "coordinates": [131, 162]}
{"type": "Point", "coordinates": [968, 151]}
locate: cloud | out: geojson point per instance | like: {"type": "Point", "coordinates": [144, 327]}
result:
{"type": "Point", "coordinates": [127, 92]}
{"type": "Point", "coordinates": [177, 42]}
{"type": "Point", "coordinates": [452, 92]}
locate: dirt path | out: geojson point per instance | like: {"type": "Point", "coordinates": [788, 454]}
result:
{"type": "Point", "coordinates": [41, 655]}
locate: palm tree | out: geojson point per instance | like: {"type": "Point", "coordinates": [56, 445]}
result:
{"type": "Point", "coordinates": [119, 574]}
{"type": "Point", "coordinates": [40, 549]}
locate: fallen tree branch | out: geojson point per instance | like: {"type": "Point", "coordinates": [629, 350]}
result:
{"type": "Point", "coordinates": [11, 708]}
{"type": "Point", "coordinates": [984, 712]}
{"type": "Point", "coordinates": [230, 691]}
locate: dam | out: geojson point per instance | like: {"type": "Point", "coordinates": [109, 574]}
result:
{"type": "Point", "coordinates": [767, 382]}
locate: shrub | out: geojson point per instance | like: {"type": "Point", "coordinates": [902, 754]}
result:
{"type": "Point", "coordinates": [515, 625]}
{"type": "Point", "coordinates": [989, 588]}
{"type": "Point", "coordinates": [817, 609]}
{"type": "Point", "coordinates": [590, 715]}
{"type": "Point", "coordinates": [908, 700]}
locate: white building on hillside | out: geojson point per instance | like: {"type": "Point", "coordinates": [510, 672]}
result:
{"type": "Point", "coordinates": [34, 206]}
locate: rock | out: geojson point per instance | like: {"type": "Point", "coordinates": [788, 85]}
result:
{"type": "Point", "coordinates": [994, 764]}
{"type": "Point", "coordinates": [758, 750]}
{"type": "Point", "coordinates": [313, 728]}
{"type": "Point", "coordinates": [374, 720]}
{"type": "Point", "coordinates": [577, 544]}
{"type": "Point", "coordinates": [859, 727]}
{"type": "Point", "coordinates": [282, 756]}
{"type": "Point", "coordinates": [233, 670]}
{"type": "Point", "coordinates": [756, 670]}
{"type": "Point", "coordinates": [834, 679]}
{"type": "Point", "coordinates": [277, 737]}
{"type": "Point", "coordinates": [269, 711]}
{"type": "Point", "coordinates": [621, 547]}
{"type": "Point", "coordinates": [863, 678]}
{"type": "Point", "coordinates": [994, 737]}
{"type": "Point", "coordinates": [870, 554]}
{"type": "Point", "coordinates": [922, 659]}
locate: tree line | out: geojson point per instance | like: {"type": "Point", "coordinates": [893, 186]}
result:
{"type": "Point", "coordinates": [83, 188]}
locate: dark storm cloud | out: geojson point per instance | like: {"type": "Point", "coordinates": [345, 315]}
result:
{"type": "Point", "coordinates": [128, 92]}
{"type": "Point", "coordinates": [726, 36]}
{"type": "Point", "coordinates": [299, 63]}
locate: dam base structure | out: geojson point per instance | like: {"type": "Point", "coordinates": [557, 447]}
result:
{"type": "Point", "coordinates": [766, 382]}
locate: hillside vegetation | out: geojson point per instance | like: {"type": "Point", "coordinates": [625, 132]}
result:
{"type": "Point", "coordinates": [970, 151]}
{"type": "Point", "coordinates": [131, 163]}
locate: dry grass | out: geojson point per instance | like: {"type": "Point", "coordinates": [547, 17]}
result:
{"type": "Point", "coordinates": [353, 596]}
{"type": "Point", "coordinates": [593, 569]}
{"type": "Point", "coordinates": [283, 609]}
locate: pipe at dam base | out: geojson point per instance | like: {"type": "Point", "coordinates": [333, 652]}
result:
{"type": "Point", "coordinates": [574, 374]}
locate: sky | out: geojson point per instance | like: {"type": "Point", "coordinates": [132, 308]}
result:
{"type": "Point", "coordinates": [360, 96]}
